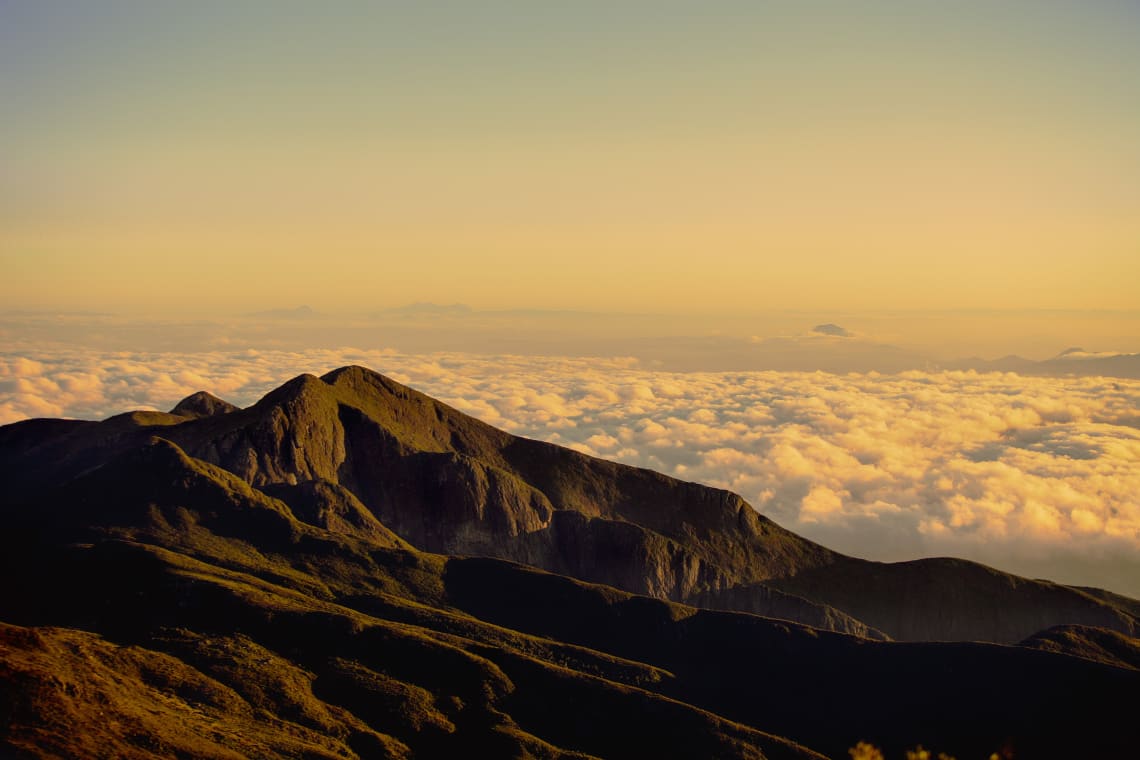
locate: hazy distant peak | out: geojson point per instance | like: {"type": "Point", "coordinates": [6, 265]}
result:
{"type": "Point", "coordinates": [1073, 354]}
{"type": "Point", "coordinates": [430, 308]}
{"type": "Point", "coordinates": [832, 330]}
{"type": "Point", "coordinates": [300, 312]}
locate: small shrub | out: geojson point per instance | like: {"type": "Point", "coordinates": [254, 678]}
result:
{"type": "Point", "coordinates": [865, 751]}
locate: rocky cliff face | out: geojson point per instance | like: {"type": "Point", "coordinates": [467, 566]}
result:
{"type": "Point", "coordinates": [448, 483]}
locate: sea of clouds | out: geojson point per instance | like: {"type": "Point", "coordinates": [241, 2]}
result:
{"type": "Point", "coordinates": [1035, 475]}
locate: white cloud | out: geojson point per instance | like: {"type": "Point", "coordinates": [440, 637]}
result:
{"type": "Point", "coordinates": [996, 467]}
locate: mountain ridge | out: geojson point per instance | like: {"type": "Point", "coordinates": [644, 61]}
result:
{"type": "Point", "coordinates": [630, 510]}
{"type": "Point", "coordinates": [454, 485]}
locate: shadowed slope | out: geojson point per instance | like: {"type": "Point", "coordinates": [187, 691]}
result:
{"type": "Point", "coordinates": [1096, 644]}
{"type": "Point", "coordinates": [291, 632]}
{"type": "Point", "coordinates": [953, 600]}
{"type": "Point", "coordinates": [966, 698]}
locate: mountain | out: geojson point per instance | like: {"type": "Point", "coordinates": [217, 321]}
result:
{"type": "Point", "coordinates": [448, 483]}
{"type": "Point", "coordinates": [428, 309]}
{"type": "Point", "coordinates": [296, 313]}
{"type": "Point", "coordinates": [350, 568]}
{"type": "Point", "coordinates": [1078, 362]}
{"type": "Point", "coordinates": [1070, 362]}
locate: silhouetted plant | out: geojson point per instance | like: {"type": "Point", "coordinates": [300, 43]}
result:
{"type": "Point", "coordinates": [865, 751]}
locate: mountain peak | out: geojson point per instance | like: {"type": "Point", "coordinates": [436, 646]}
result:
{"type": "Point", "coordinates": [832, 330]}
{"type": "Point", "coordinates": [298, 387]}
{"type": "Point", "coordinates": [202, 404]}
{"type": "Point", "coordinates": [352, 373]}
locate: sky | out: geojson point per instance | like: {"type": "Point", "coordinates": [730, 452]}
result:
{"type": "Point", "coordinates": [621, 156]}
{"type": "Point", "coordinates": [780, 247]}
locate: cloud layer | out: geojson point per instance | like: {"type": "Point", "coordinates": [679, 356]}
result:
{"type": "Point", "coordinates": [1033, 473]}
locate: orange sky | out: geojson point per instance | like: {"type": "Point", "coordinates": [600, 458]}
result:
{"type": "Point", "coordinates": [660, 156]}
